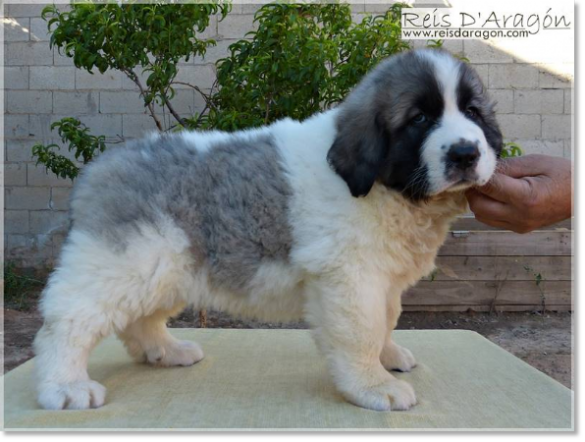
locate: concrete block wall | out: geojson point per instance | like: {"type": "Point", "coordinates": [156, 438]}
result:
{"type": "Point", "coordinates": [42, 86]}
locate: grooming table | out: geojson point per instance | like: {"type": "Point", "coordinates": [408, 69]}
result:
{"type": "Point", "coordinates": [275, 379]}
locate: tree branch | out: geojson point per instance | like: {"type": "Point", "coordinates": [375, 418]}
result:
{"type": "Point", "coordinates": [172, 111]}
{"type": "Point", "coordinates": [132, 76]}
{"type": "Point", "coordinates": [203, 94]}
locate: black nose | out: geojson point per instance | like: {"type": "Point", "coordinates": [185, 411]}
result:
{"type": "Point", "coordinates": [463, 156]}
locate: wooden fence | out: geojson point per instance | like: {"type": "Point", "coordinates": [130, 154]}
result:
{"type": "Point", "coordinates": [486, 269]}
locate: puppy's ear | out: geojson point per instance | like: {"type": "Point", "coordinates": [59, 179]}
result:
{"type": "Point", "coordinates": [358, 151]}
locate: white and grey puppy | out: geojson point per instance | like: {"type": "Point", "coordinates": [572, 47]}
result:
{"type": "Point", "coordinates": [329, 219]}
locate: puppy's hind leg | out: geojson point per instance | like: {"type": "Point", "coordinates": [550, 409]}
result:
{"type": "Point", "coordinates": [148, 340]}
{"type": "Point", "coordinates": [73, 326]}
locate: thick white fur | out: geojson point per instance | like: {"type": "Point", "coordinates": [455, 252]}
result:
{"type": "Point", "coordinates": [453, 127]}
{"type": "Point", "coordinates": [352, 258]}
{"type": "Point", "coordinates": [347, 280]}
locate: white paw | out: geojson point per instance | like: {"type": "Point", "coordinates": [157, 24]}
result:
{"type": "Point", "coordinates": [395, 357]}
{"type": "Point", "coordinates": [393, 394]}
{"type": "Point", "coordinates": [175, 353]}
{"type": "Point", "coordinates": [79, 395]}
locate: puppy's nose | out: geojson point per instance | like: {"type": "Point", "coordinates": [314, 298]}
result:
{"type": "Point", "coordinates": [463, 156]}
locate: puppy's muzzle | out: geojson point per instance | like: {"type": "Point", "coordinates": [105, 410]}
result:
{"type": "Point", "coordinates": [463, 156]}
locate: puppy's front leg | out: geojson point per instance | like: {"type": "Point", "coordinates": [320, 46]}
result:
{"type": "Point", "coordinates": [349, 321]}
{"type": "Point", "coordinates": [394, 356]}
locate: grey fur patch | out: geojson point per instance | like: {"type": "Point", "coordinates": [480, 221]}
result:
{"type": "Point", "coordinates": [231, 201]}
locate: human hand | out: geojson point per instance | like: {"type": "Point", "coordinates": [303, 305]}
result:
{"type": "Point", "coordinates": [525, 193]}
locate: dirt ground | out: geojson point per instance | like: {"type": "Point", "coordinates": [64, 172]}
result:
{"type": "Point", "coordinates": [543, 341]}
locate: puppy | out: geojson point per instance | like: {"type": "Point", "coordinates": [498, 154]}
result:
{"type": "Point", "coordinates": [329, 219]}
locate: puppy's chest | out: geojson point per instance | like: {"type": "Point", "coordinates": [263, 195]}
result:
{"type": "Point", "coordinates": [409, 252]}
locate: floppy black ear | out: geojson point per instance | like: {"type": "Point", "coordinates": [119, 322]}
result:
{"type": "Point", "coordinates": [358, 151]}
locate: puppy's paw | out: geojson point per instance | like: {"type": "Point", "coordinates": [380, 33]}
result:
{"type": "Point", "coordinates": [175, 353]}
{"type": "Point", "coordinates": [393, 394]}
{"type": "Point", "coordinates": [79, 395]}
{"type": "Point", "coordinates": [395, 357]}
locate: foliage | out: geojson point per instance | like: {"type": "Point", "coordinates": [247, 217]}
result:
{"type": "Point", "coordinates": [79, 140]}
{"type": "Point", "coordinates": [154, 37]}
{"type": "Point", "coordinates": [511, 149]}
{"type": "Point", "coordinates": [19, 289]}
{"type": "Point", "coordinates": [301, 59]}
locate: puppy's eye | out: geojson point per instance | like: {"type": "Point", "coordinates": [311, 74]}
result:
{"type": "Point", "coordinates": [420, 118]}
{"type": "Point", "coordinates": [471, 112]}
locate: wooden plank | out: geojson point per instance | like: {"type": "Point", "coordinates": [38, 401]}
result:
{"type": "Point", "coordinates": [503, 243]}
{"type": "Point", "coordinates": [485, 308]}
{"type": "Point", "coordinates": [497, 268]}
{"type": "Point", "coordinates": [470, 293]}
{"type": "Point", "coordinates": [468, 222]}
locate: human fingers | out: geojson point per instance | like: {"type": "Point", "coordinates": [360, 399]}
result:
{"type": "Point", "coordinates": [505, 189]}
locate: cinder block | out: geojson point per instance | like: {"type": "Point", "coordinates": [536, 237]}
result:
{"type": "Point", "coordinates": [25, 10]}
{"type": "Point", "coordinates": [569, 149]}
{"type": "Point", "coordinates": [75, 103]}
{"type": "Point", "coordinates": [108, 80]}
{"type": "Point", "coordinates": [236, 26]}
{"type": "Point", "coordinates": [357, 6]}
{"type": "Point", "coordinates": [201, 76]}
{"type": "Point", "coordinates": [456, 47]}
{"type": "Point", "coordinates": [16, 77]}
{"type": "Point", "coordinates": [39, 30]}
{"type": "Point", "coordinates": [553, 148]}
{"type": "Point", "coordinates": [130, 85]}
{"type": "Point", "coordinates": [16, 126]}
{"type": "Point", "coordinates": [16, 29]}
{"type": "Point", "coordinates": [29, 250]}
{"type": "Point", "coordinates": [137, 125]}
{"type": "Point", "coordinates": [40, 127]}
{"type": "Point", "coordinates": [568, 98]}
{"type": "Point", "coordinates": [550, 78]}
{"type": "Point", "coordinates": [16, 221]}
{"type": "Point", "coordinates": [483, 72]}
{"type": "Point", "coordinates": [531, 101]}
{"type": "Point", "coordinates": [183, 103]}
{"type": "Point", "coordinates": [477, 51]}
{"type": "Point", "coordinates": [504, 99]}
{"type": "Point", "coordinates": [28, 127]}
{"type": "Point", "coordinates": [378, 5]}
{"type": "Point", "coordinates": [214, 53]}
{"type": "Point", "coordinates": [520, 126]}
{"type": "Point", "coordinates": [359, 16]}
{"type": "Point", "coordinates": [41, 176]}
{"type": "Point", "coordinates": [556, 127]}
{"type": "Point", "coordinates": [60, 59]}
{"type": "Point", "coordinates": [504, 76]}
{"type": "Point", "coordinates": [28, 54]}
{"type": "Point", "coordinates": [48, 221]}
{"type": "Point", "coordinates": [52, 77]}
{"type": "Point", "coordinates": [121, 102]}
{"type": "Point", "coordinates": [59, 199]}
{"type": "Point", "coordinates": [251, 7]}
{"type": "Point", "coordinates": [19, 150]}
{"type": "Point", "coordinates": [58, 241]}
{"type": "Point", "coordinates": [552, 101]}
{"type": "Point", "coordinates": [210, 31]}
{"type": "Point", "coordinates": [101, 124]}
{"type": "Point", "coordinates": [29, 102]}
{"type": "Point", "coordinates": [26, 198]}
{"type": "Point", "coordinates": [15, 174]}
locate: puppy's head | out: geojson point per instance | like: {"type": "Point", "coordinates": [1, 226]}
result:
{"type": "Point", "coordinates": [419, 123]}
